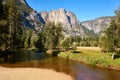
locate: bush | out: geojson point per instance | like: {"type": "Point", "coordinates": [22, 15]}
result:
{"type": "Point", "coordinates": [74, 46]}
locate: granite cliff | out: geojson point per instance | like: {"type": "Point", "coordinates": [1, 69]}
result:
{"type": "Point", "coordinates": [69, 21]}
{"type": "Point", "coordinates": [71, 25]}
{"type": "Point", "coordinates": [97, 25]}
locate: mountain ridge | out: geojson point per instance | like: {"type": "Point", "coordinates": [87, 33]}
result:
{"type": "Point", "coordinates": [98, 24]}
{"type": "Point", "coordinates": [71, 24]}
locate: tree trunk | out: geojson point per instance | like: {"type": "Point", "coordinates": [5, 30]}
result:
{"type": "Point", "coordinates": [113, 55]}
{"type": "Point", "coordinates": [10, 30]}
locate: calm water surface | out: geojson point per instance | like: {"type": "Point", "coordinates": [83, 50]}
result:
{"type": "Point", "coordinates": [77, 70]}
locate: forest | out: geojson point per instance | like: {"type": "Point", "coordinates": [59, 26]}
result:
{"type": "Point", "coordinates": [13, 36]}
{"type": "Point", "coordinates": [53, 50]}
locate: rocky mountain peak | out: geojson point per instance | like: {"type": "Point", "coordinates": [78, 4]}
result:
{"type": "Point", "coordinates": [69, 21]}
{"type": "Point", "coordinates": [35, 20]}
{"type": "Point", "coordinates": [44, 16]}
{"type": "Point", "coordinates": [98, 24]}
{"type": "Point", "coordinates": [62, 10]}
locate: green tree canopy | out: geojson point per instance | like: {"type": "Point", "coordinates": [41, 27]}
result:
{"type": "Point", "coordinates": [53, 35]}
{"type": "Point", "coordinates": [110, 42]}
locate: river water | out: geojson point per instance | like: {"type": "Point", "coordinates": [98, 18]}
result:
{"type": "Point", "coordinates": [77, 70]}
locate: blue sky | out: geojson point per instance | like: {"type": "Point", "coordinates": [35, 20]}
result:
{"type": "Point", "coordinates": [83, 9]}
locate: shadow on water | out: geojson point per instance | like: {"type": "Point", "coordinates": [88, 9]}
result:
{"type": "Point", "coordinates": [77, 70]}
{"type": "Point", "coordinates": [21, 55]}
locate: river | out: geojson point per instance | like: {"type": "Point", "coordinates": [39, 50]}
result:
{"type": "Point", "coordinates": [75, 69]}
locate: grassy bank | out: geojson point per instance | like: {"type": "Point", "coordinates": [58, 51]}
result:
{"type": "Point", "coordinates": [92, 56]}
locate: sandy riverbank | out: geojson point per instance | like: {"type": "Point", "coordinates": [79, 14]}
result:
{"type": "Point", "coordinates": [31, 74]}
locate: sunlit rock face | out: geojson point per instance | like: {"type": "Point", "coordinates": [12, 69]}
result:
{"type": "Point", "coordinates": [69, 21]}
{"type": "Point", "coordinates": [35, 20]}
{"type": "Point", "coordinates": [67, 18]}
{"type": "Point", "coordinates": [98, 25]}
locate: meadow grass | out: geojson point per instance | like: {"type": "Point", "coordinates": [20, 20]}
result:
{"type": "Point", "coordinates": [92, 56]}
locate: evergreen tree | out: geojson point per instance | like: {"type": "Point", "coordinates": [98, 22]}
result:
{"type": "Point", "coordinates": [40, 41]}
{"type": "Point", "coordinates": [29, 38]}
{"type": "Point", "coordinates": [66, 44]}
{"type": "Point", "coordinates": [53, 35]}
{"type": "Point", "coordinates": [3, 26]}
{"type": "Point", "coordinates": [110, 42]}
{"type": "Point", "coordinates": [15, 26]}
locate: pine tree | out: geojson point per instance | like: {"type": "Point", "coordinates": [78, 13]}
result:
{"type": "Point", "coordinates": [53, 35]}
{"type": "Point", "coordinates": [28, 38]}
{"type": "Point", "coordinates": [50, 37]}
{"type": "Point", "coordinates": [40, 41]}
{"type": "Point", "coordinates": [66, 44]}
{"type": "Point", "coordinates": [110, 42]}
{"type": "Point", "coordinates": [15, 26]}
{"type": "Point", "coordinates": [3, 26]}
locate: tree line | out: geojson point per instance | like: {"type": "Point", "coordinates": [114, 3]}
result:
{"type": "Point", "coordinates": [14, 36]}
{"type": "Point", "coordinates": [11, 29]}
{"type": "Point", "coordinates": [110, 41]}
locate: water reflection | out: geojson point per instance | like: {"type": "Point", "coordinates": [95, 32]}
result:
{"type": "Point", "coordinates": [75, 69]}
{"type": "Point", "coordinates": [22, 55]}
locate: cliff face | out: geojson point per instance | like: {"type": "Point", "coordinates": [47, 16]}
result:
{"type": "Point", "coordinates": [35, 20]}
{"type": "Point", "coordinates": [69, 21]}
{"type": "Point", "coordinates": [97, 25]}
{"type": "Point", "coordinates": [67, 18]}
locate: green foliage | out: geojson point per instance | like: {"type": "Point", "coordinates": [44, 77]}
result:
{"type": "Point", "coordinates": [76, 39]}
{"type": "Point", "coordinates": [89, 41]}
{"type": "Point", "coordinates": [92, 57]}
{"type": "Point", "coordinates": [3, 26]}
{"type": "Point", "coordinates": [94, 61]}
{"type": "Point", "coordinates": [65, 44]}
{"type": "Point", "coordinates": [74, 46]}
{"type": "Point", "coordinates": [28, 38]}
{"type": "Point", "coordinates": [40, 41]}
{"type": "Point", "coordinates": [110, 42]}
{"type": "Point", "coordinates": [106, 44]}
{"type": "Point", "coordinates": [50, 37]}
{"type": "Point", "coordinates": [53, 35]}
{"type": "Point", "coordinates": [84, 41]}
{"type": "Point", "coordinates": [11, 30]}
{"type": "Point", "coordinates": [15, 26]}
